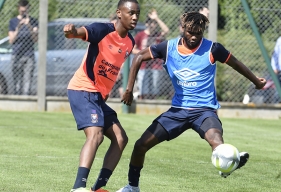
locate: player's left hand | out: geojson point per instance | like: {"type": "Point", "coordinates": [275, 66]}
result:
{"type": "Point", "coordinates": [261, 83]}
{"type": "Point", "coordinates": [127, 98]}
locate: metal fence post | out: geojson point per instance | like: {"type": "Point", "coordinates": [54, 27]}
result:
{"type": "Point", "coordinates": [213, 27]}
{"type": "Point", "coordinates": [42, 60]}
{"type": "Point", "coordinates": [213, 17]}
{"type": "Point", "coordinates": [1, 4]}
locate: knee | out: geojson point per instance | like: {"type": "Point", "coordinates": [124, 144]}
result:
{"type": "Point", "coordinates": [122, 140]}
{"type": "Point", "coordinates": [140, 147]}
{"type": "Point", "coordinates": [95, 139]}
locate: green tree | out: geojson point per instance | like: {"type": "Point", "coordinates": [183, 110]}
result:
{"type": "Point", "coordinates": [52, 7]}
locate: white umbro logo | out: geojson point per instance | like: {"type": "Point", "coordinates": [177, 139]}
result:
{"type": "Point", "coordinates": [186, 74]}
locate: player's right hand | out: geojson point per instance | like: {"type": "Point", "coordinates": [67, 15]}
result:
{"type": "Point", "coordinates": [69, 29]}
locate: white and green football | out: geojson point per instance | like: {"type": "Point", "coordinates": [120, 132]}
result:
{"type": "Point", "coordinates": [225, 158]}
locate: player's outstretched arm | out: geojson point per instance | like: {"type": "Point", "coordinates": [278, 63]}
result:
{"type": "Point", "coordinates": [246, 72]}
{"type": "Point", "coordinates": [143, 55]}
{"type": "Point", "coordinates": [70, 31]}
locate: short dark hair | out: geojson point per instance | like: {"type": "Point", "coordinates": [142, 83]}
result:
{"type": "Point", "coordinates": [23, 3]}
{"type": "Point", "coordinates": [122, 2]}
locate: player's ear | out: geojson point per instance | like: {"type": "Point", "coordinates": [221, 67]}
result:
{"type": "Point", "coordinates": [118, 13]}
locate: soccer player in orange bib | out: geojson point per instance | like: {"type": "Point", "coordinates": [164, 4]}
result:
{"type": "Point", "coordinates": [109, 46]}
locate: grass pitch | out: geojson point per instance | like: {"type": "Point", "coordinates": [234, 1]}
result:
{"type": "Point", "coordinates": [40, 152]}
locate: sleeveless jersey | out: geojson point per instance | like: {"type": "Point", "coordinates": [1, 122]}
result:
{"type": "Point", "coordinates": [192, 76]}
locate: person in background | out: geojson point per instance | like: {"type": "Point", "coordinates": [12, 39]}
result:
{"type": "Point", "coordinates": [276, 60]}
{"type": "Point", "coordinates": [190, 62]}
{"type": "Point", "coordinates": [205, 11]}
{"type": "Point", "coordinates": [150, 72]}
{"type": "Point", "coordinates": [109, 46]}
{"type": "Point", "coordinates": [113, 18]}
{"type": "Point", "coordinates": [23, 34]}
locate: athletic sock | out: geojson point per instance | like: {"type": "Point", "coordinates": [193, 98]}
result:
{"type": "Point", "coordinates": [134, 175]}
{"type": "Point", "coordinates": [81, 178]}
{"type": "Point", "coordinates": [102, 179]}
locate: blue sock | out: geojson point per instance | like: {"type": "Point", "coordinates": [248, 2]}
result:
{"type": "Point", "coordinates": [102, 179]}
{"type": "Point", "coordinates": [134, 175]}
{"type": "Point", "coordinates": [81, 178]}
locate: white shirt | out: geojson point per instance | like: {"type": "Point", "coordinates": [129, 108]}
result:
{"type": "Point", "coordinates": [276, 56]}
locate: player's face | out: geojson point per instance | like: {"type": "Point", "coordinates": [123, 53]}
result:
{"type": "Point", "coordinates": [192, 37]}
{"type": "Point", "coordinates": [129, 15]}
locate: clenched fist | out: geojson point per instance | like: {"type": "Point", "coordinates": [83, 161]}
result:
{"type": "Point", "coordinates": [69, 30]}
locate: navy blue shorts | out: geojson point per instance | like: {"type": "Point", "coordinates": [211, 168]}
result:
{"type": "Point", "coordinates": [176, 120]}
{"type": "Point", "coordinates": [90, 110]}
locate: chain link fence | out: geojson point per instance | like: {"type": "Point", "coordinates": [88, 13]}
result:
{"type": "Point", "coordinates": [18, 75]}
{"type": "Point", "coordinates": [235, 33]}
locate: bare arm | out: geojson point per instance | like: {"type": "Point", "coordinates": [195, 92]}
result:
{"type": "Point", "coordinates": [275, 71]}
{"type": "Point", "coordinates": [13, 34]}
{"type": "Point", "coordinates": [153, 15]}
{"type": "Point", "coordinates": [143, 55]}
{"type": "Point", "coordinates": [33, 30]}
{"type": "Point", "coordinates": [70, 31]}
{"type": "Point", "coordinates": [243, 70]}
{"type": "Point", "coordinates": [34, 33]}
{"type": "Point", "coordinates": [163, 26]}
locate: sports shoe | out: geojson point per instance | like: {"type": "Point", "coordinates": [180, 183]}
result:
{"type": "Point", "coordinates": [80, 189]}
{"type": "Point", "coordinates": [129, 188]}
{"type": "Point", "coordinates": [244, 156]}
{"type": "Point", "coordinates": [100, 190]}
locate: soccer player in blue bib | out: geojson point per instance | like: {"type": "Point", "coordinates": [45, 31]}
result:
{"type": "Point", "coordinates": [190, 62]}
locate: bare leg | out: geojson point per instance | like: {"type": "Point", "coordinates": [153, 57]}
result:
{"type": "Point", "coordinates": [119, 140]}
{"type": "Point", "coordinates": [146, 142]}
{"type": "Point", "coordinates": [142, 145]}
{"type": "Point", "coordinates": [214, 137]}
{"type": "Point", "coordinates": [94, 137]}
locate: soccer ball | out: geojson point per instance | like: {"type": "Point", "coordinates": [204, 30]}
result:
{"type": "Point", "coordinates": [225, 158]}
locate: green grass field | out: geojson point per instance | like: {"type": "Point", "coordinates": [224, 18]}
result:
{"type": "Point", "coordinates": [39, 152]}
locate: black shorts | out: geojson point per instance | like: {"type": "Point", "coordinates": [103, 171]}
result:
{"type": "Point", "coordinates": [176, 120]}
{"type": "Point", "coordinates": [90, 110]}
